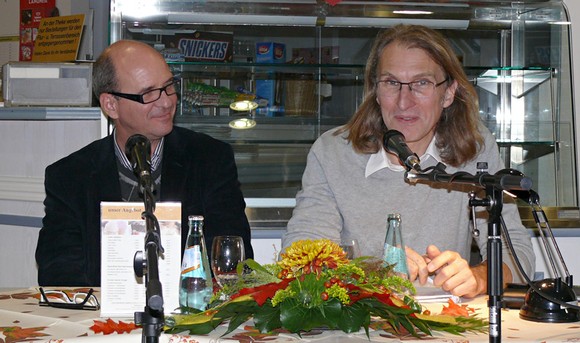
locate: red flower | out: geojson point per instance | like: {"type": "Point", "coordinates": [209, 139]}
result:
{"type": "Point", "coordinates": [333, 2]}
{"type": "Point", "coordinates": [356, 293]}
{"type": "Point", "coordinates": [264, 292]}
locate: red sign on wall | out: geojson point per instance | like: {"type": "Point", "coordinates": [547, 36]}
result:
{"type": "Point", "coordinates": [31, 12]}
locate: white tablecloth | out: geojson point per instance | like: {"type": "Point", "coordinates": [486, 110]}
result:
{"type": "Point", "coordinates": [23, 320]}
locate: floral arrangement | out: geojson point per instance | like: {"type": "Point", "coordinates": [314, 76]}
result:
{"type": "Point", "coordinates": [314, 285]}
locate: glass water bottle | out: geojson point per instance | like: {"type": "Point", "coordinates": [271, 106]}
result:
{"type": "Point", "coordinates": [394, 252]}
{"type": "Point", "coordinates": [195, 286]}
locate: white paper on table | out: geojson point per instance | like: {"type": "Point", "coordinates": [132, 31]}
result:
{"type": "Point", "coordinates": [122, 235]}
{"type": "Point", "coordinates": [428, 293]}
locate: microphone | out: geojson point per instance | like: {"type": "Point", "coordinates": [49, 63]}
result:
{"type": "Point", "coordinates": [506, 182]}
{"type": "Point", "coordinates": [138, 149]}
{"type": "Point", "coordinates": [394, 142]}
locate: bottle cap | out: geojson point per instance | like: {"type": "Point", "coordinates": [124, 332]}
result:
{"type": "Point", "coordinates": [394, 216]}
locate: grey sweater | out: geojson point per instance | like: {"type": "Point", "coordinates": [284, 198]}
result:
{"type": "Point", "coordinates": [338, 202]}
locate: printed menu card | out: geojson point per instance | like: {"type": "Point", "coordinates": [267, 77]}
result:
{"type": "Point", "coordinates": [122, 235]}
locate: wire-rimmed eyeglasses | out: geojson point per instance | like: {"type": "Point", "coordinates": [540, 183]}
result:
{"type": "Point", "coordinates": [69, 300]}
{"type": "Point", "coordinates": [419, 88]}
{"type": "Point", "coordinates": [150, 95]}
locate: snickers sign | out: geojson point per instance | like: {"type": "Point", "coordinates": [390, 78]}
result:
{"type": "Point", "coordinates": [199, 49]}
{"type": "Point", "coordinates": [202, 46]}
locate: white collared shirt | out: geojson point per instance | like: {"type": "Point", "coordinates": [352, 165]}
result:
{"type": "Point", "coordinates": [380, 159]}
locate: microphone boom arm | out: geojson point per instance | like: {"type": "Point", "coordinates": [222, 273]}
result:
{"type": "Point", "coordinates": [480, 179]}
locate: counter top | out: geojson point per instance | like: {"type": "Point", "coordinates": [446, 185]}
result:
{"type": "Point", "coordinates": [50, 113]}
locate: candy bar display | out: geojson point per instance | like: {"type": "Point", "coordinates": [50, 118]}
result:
{"type": "Point", "coordinates": [198, 94]}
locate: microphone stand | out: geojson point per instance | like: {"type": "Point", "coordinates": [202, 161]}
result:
{"type": "Point", "coordinates": [152, 318]}
{"type": "Point", "coordinates": [494, 186]}
{"type": "Point", "coordinates": [494, 203]}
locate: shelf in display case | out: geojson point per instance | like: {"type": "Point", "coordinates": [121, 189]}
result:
{"type": "Point", "coordinates": [529, 132]}
{"type": "Point", "coordinates": [522, 79]}
{"type": "Point", "coordinates": [268, 130]}
{"type": "Point", "coordinates": [217, 68]}
{"type": "Point", "coordinates": [305, 94]}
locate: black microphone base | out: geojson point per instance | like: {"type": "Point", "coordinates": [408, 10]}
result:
{"type": "Point", "coordinates": [539, 309]}
{"type": "Point", "coordinates": [152, 323]}
{"type": "Point", "coordinates": [513, 295]}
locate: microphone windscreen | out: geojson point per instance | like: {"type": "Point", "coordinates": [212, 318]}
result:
{"type": "Point", "coordinates": [391, 139]}
{"type": "Point", "coordinates": [138, 150]}
{"type": "Point", "coordinates": [134, 141]}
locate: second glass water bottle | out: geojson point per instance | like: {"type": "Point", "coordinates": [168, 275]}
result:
{"type": "Point", "coordinates": [394, 252]}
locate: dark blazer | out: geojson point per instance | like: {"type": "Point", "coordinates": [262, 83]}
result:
{"type": "Point", "coordinates": [196, 169]}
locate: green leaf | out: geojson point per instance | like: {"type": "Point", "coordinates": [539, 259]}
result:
{"type": "Point", "coordinates": [254, 266]}
{"type": "Point", "coordinates": [424, 327]}
{"type": "Point", "coordinates": [406, 323]}
{"type": "Point", "coordinates": [309, 291]}
{"type": "Point", "coordinates": [236, 321]}
{"type": "Point", "coordinates": [332, 310]}
{"type": "Point", "coordinates": [267, 318]}
{"type": "Point", "coordinates": [196, 324]}
{"type": "Point", "coordinates": [296, 318]}
{"type": "Point", "coordinates": [243, 304]}
{"type": "Point", "coordinates": [351, 318]}
{"type": "Point", "coordinates": [415, 306]}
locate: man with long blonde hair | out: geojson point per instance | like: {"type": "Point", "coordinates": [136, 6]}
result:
{"type": "Point", "coordinates": [414, 84]}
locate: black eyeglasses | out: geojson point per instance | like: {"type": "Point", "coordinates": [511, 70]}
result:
{"type": "Point", "coordinates": [151, 95]}
{"type": "Point", "coordinates": [419, 88]}
{"type": "Point", "coordinates": [69, 300]}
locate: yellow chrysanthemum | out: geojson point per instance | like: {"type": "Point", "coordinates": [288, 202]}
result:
{"type": "Point", "coordinates": [308, 256]}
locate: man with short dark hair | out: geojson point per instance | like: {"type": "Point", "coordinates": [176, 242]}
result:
{"type": "Point", "coordinates": [137, 91]}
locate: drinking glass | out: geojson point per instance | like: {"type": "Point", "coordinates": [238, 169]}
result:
{"type": "Point", "coordinates": [351, 248]}
{"type": "Point", "coordinates": [226, 253]}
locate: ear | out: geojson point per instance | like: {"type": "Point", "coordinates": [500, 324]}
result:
{"type": "Point", "coordinates": [449, 94]}
{"type": "Point", "coordinates": [109, 105]}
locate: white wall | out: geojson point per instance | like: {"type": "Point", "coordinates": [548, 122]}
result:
{"type": "Point", "coordinates": [27, 148]}
{"type": "Point", "coordinates": [568, 241]}
{"type": "Point", "coordinates": [17, 265]}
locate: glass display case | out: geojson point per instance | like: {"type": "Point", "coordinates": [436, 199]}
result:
{"type": "Point", "coordinates": [516, 53]}
{"type": "Point", "coordinates": [271, 141]}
